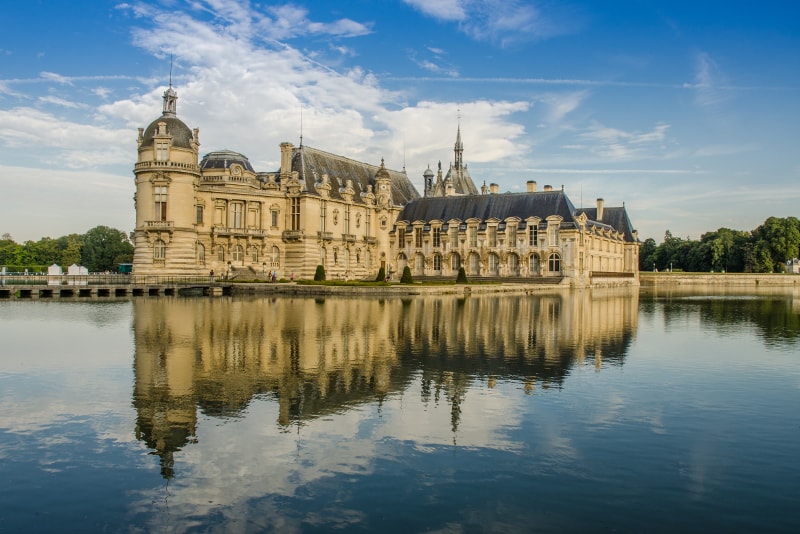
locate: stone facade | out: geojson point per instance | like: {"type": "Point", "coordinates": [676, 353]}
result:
{"type": "Point", "coordinates": [218, 214]}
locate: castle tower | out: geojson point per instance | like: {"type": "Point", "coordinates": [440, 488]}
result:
{"type": "Point", "coordinates": [166, 175]}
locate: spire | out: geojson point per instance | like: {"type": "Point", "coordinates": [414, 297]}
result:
{"type": "Point", "coordinates": [170, 96]}
{"type": "Point", "coordinates": [459, 148]}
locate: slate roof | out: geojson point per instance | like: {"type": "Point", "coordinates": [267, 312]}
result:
{"type": "Point", "coordinates": [312, 163]}
{"type": "Point", "coordinates": [223, 159]}
{"type": "Point", "coordinates": [615, 217]}
{"type": "Point", "coordinates": [181, 134]}
{"type": "Point", "coordinates": [521, 205]}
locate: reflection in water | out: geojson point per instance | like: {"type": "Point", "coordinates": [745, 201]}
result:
{"type": "Point", "coordinates": [774, 312]}
{"type": "Point", "coordinates": [320, 356]}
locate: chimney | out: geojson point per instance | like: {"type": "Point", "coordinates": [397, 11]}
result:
{"type": "Point", "coordinates": [531, 186]}
{"type": "Point", "coordinates": [599, 210]}
{"type": "Point", "coordinates": [494, 189]}
{"type": "Point", "coordinates": [286, 159]}
{"type": "Point", "coordinates": [548, 188]}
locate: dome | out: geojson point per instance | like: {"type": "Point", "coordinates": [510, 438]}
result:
{"type": "Point", "coordinates": [223, 159]}
{"type": "Point", "coordinates": [428, 172]}
{"type": "Point", "coordinates": [181, 134]}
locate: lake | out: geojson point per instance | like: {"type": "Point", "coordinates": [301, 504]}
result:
{"type": "Point", "coordinates": [595, 410]}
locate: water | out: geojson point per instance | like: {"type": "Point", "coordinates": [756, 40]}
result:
{"type": "Point", "coordinates": [585, 411]}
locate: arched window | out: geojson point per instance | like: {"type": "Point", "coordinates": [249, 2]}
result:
{"type": "Point", "coordinates": [513, 264]}
{"type": "Point", "coordinates": [455, 262]}
{"type": "Point", "coordinates": [437, 262]}
{"type": "Point", "coordinates": [221, 253]}
{"type": "Point", "coordinates": [159, 250]}
{"type": "Point", "coordinates": [419, 263]}
{"type": "Point", "coordinates": [201, 254]}
{"type": "Point", "coordinates": [535, 267]}
{"type": "Point", "coordinates": [494, 264]}
{"type": "Point", "coordinates": [238, 253]}
{"type": "Point", "coordinates": [275, 257]}
{"type": "Point", "coordinates": [474, 264]}
{"type": "Point", "coordinates": [255, 254]}
{"type": "Point", "coordinates": [554, 263]}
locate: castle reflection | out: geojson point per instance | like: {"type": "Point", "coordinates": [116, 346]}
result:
{"type": "Point", "coordinates": [315, 357]}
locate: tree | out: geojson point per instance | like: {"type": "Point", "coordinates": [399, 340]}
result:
{"type": "Point", "coordinates": [319, 274]}
{"type": "Point", "coordinates": [647, 255]}
{"type": "Point", "coordinates": [780, 240]}
{"type": "Point", "coordinates": [462, 276]}
{"type": "Point", "coordinates": [104, 248]}
{"type": "Point", "coordinates": [406, 278]}
{"type": "Point", "coordinates": [381, 275]}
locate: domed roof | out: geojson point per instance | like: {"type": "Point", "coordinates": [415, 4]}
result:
{"type": "Point", "coordinates": [181, 134]}
{"type": "Point", "coordinates": [428, 172]}
{"type": "Point", "coordinates": [223, 159]}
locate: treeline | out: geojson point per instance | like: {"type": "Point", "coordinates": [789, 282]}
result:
{"type": "Point", "coordinates": [100, 249]}
{"type": "Point", "coordinates": [763, 250]}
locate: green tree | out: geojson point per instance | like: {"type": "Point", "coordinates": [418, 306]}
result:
{"type": "Point", "coordinates": [462, 276]}
{"type": "Point", "coordinates": [779, 239]}
{"type": "Point", "coordinates": [104, 248]}
{"type": "Point", "coordinates": [71, 246]}
{"type": "Point", "coordinates": [647, 254]}
{"type": "Point", "coordinates": [406, 278]}
{"type": "Point", "coordinates": [381, 275]}
{"type": "Point", "coordinates": [319, 274]}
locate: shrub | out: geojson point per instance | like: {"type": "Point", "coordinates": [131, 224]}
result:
{"type": "Point", "coordinates": [381, 275]}
{"type": "Point", "coordinates": [462, 276]}
{"type": "Point", "coordinates": [406, 278]}
{"type": "Point", "coordinates": [319, 275]}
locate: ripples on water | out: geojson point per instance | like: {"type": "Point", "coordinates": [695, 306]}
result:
{"type": "Point", "coordinates": [577, 411]}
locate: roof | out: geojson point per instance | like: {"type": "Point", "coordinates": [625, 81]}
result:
{"type": "Point", "coordinates": [181, 134]}
{"type": "Point", "coordinates": [616, 217]}
{"type": "Point", "coordinates": [502, 206]}
{"type": "Point", "coordinates": [311, 164]}
{"type": "Point", "coordinates": [223, 159]}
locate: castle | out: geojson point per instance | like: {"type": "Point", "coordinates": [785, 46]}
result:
{"type": "Point", "coordinates": [195, 216]}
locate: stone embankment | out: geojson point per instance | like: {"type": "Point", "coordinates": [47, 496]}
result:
{"type": "Point", "coordinates": [733, 280]}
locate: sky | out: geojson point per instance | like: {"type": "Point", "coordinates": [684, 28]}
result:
{"type": "Point", "coordinates": [683, 111]}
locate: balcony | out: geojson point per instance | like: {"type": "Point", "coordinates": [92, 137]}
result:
{"type": "Point", "coordinates": [370, 240]}
{"type": "Point", "coordinates": [325, 236]}
{"type": "Point", "coordinates": [159, 225]}
{"type": "Point", "coordinates": [244, 232]}
{"type": "Point", "coordinates": [292, 235]}
{"type": "Point", "coordinates": [349, 238]}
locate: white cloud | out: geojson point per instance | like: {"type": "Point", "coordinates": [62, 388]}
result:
{"type": "Point", "coordinates": [450, 10]}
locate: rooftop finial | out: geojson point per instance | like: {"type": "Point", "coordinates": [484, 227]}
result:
{"type": "Point", "coordinates": [170, 96]}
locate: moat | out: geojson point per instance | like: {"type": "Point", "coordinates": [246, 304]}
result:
{"type": "Point", "coordinates": [595, 410]}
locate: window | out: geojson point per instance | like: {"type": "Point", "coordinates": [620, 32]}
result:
{"type": "Point", "coordinates": [201, 254]}
{"type": "Point", "coordinates": [199, 216]}
{"type": "Point", "coordinates": [454, 237]}
{"type": "Point", "coordinates": [236, 215]}
{"type": "Point", "coordinates": [455, 262]}
{"type": "Point", "coordinates": [512, 235]}
{"type": "Point", "coordinates": [554, 263]}
{"type": "Point", "coordinates": [552, 234]}
{"type": "Point", "coordinates": [401, 237]}
{"type": "Point", "coordinates": [492, 231]}
{"type": "Point", "coordinates": [275, 256]}
{"type": "Point", "coordinates": [160, 193]}
{"type": "Point", "coordinates": [159, 250]}
{"type": "Point", "coordinates": [274, 214]}
{"type": "Point", "coordinates": [220, 253]}
{"type": "Point", "coordinates": [162, 151]}
{"type": "Point", "coordinates": [418, 237]}
{"type": "Point", "coordinates": [255, 254]}
{"type": "Point", "coordinates": [323, 215]}
{"type": "Point", "coordinates": [238, 253]}
{"type": "Point", "coordinates": [347, 219]}
{"type": "Point", "coordinates": [472, 232]}
{"type": "Point", "coordinates": [474, 263]}
{"type": "Point", "coordinates": [367, 224]}
{"type": "Point", "coordinates": [533, 235]}
{"type": "Point", "coordinates": [437, 237]}
{"type": "Point", "coordinates": [513, 264]}
{"type": "Point", "coordinates": [494, 263]}
{"type": "Point", "coordinates": [437, 262]}
{"type": "Point", "coordinates": [419, 263]}
{"type": "Point", "coordinates": [295, 213]}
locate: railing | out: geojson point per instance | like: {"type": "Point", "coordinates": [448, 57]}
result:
{"type": "Point", "coordinates": [348, 238]}
{"type": "Point", "coordinates": [159, 224]}
{"type": "Point", "coordinates": [19, 279]}
{"type": "Point", "coordinates": [292, 234]}
{"type": "Point", "coordinates": [225, 230]}
{"type": "Point", "coordinates": [325, 236]}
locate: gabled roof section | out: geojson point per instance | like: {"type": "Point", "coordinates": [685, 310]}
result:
{"type": "Point", "coordinates": [312, 164]}
{"type": "Point", "coordinates": [483, 207]}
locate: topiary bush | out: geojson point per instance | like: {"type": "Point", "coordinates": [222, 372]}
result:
{"type": "Point", "coordinates": [319, 274]}
{"type": "Point", "coordinates": [462, 276]}
{"type": "Point", "coordinates": [406, 278]}
{"type": "Point", "coordinates": [381, 275]}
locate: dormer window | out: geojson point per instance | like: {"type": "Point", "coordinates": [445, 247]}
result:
{"type": "Point", "coordinates": [162, 151]}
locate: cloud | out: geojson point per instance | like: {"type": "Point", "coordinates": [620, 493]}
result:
{"type": "Point", "coordinates": [710, 85]}
{"type": "Point", "coordinates": [60, 102]}
{"type": "Point", "coordinates": [618, 145]}
{"type": "Point", "coordinates": [503, 22]}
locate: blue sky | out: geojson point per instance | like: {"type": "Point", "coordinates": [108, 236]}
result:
{"type": "Point", "coordinates": [684, 111]}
